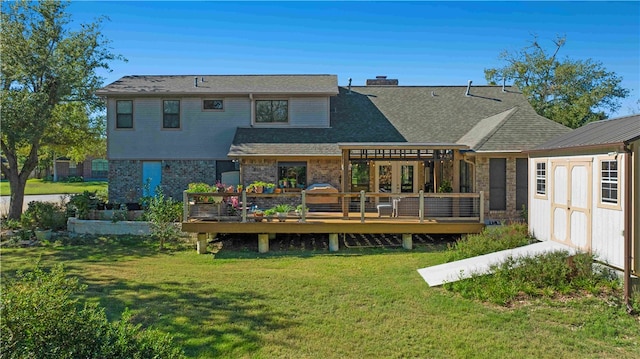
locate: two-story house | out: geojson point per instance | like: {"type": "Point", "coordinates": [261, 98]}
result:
{"type": "Point", "coordinates": [382, 137]}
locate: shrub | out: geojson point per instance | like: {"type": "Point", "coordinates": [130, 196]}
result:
{"type": "Point", "coordinates": [162, 213]}
{"type": "Point", "coordinates": [44, 215]}
{"type": "Point", "coordinates": [542, 275]}
{"type": "Point", "coordinates": [489, 241]}
{"type": "Point", "coordinates": [83, 203]}
{"type": "Point", "coordinates": [42, 319]}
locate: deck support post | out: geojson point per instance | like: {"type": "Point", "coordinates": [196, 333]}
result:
{"type": "Point", "coordinates": [407, 241]}
{"type": "Point", "coordinates": [263, 242]}
{"type": "Point", "coordinates": [185, 206]}
{"type": "Point", "coordinates": [333, 242]}
{"type": "Point", "coordinates": [201, 245]}
{"type": "Point", "coordinates": [272, 236]}
{"type": "Point", "coordinates": [303, 210]}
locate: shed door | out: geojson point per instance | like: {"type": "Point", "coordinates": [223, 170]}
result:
{"type": "Point", "coordinates": [151, 175]}
{"type": "Point", "coordinates": [571, 197]}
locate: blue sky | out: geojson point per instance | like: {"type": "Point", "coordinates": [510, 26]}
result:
{"type": "Point", "coordinates": [419, 43]}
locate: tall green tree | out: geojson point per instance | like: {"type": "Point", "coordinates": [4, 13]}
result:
{"type": "Point", "coordinates": [47, 83]}
{"type": "Point", "coordinates": [571, 92]}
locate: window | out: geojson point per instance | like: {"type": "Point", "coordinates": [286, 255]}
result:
{"type": "Point", "coordinates": [541, 178]}
{"type": "Point", "coordinates": [465, 177]}
{"type": "Point", "coordinates": [359, 176]}
{"type": "Point", "coordinates": [497, 184]}
{"type": "Point", "coordinates": [124, 114]}
{"type": "Point", "coordinates": [272, 111]}
{"type": "Point", "coordinates": [292, 174]}
{"type": "Point", "coordinates": [73, 168]}
{"type": "Point", "coordinates": [99, 168]}
{"type": "Point", "coordinates": [171, 114]}
{"type": "Point", "coordinates": [212, 105]}
{"type": "Point", "coordinates": [609, 182]}
{"type": "Point", "coordinates": [522, 176]}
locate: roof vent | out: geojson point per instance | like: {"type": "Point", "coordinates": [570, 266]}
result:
{"type": "Point", "coordinates": [433, 94]}
{"type": "Point", "coordinates": [349, 85]}
{"type": "Point", "coordinates": [382, 81]}
{"type": "Point", "coordinates": [468, 88]}
{"type": "Point", "coordinates": [504, 80]}
{"type": "Point", "coordinates": [195, 82]}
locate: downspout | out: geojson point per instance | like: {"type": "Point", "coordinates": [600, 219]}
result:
{"type": "Point", "coordinates": [627, 225]}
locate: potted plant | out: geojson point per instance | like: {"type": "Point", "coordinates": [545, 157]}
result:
{"type": "Point", "coordinates": [269, 187]}
{"type": "Point", "coordinates": [258, 215]}
{"type": "Point", "coordinates": [42, 218]}
{"type": "Point", "coordinates": [269, 213]}
{"type": "Point", "coordinates": [299, 210]}
{"type": "Point", "coordinates": [282, 210]}
{"type": "Point", "coordinates": [239, 188]}
{"type": "Point", "coordinates": [292, 182]}
{"type": "Point", "coordinates": [200, 187]}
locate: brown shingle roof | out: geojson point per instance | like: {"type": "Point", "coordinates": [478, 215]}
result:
{"type": "Point", "coordinates": [416, 114]}
{"type": "Point", "coordinates": [223, 84]}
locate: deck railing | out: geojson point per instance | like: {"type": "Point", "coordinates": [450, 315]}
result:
{"type": "Point", "coordinates": [363, 206]}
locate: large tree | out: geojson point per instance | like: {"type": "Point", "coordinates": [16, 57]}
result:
{"type": "Point", "coordinates": [571, 92]}
{"type": "Point", "coordinates": [48, 81]}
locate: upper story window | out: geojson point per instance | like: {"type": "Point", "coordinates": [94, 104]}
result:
{"type": "Point", "coordinates": [272, 111]}
{"type": "Point", "coordinates": [609, 182]}
{"type": "Point", "coordinates": [171, 114]}
{"type": "Point", "coordinates": [541, 178]}
{"type": "Point", "coordinates": [124, 114]}
{"type": "Point", "coordinates": [212, 105]}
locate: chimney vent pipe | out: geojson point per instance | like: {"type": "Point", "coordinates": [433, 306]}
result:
{"type": "Point", "coordinates": [195, 82]}
{"type": "Point", "coordinates": [468, 88]}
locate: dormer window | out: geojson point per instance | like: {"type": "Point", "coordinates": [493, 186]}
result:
{"type": "Point", "coordinates": [272, 111]}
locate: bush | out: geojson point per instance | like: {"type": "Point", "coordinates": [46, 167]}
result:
{"type": "Point", "coordinates": [44, 215]}
{"type": "Point", "coordinates": [489, 241]}
{"type": "Point", "coordinates": [162, 214]}
{"type": "Point", "coordinates": [83, 203]}
{"type": "Point", "coordinates": [41, 319]}
{"type": "Point", "coordinates": [543, 275]}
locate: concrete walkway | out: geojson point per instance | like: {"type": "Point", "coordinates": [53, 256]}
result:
{"type": "Point", "coordinates": [465, 268]}
{"type": "Point", "coordinates": [55, 198]}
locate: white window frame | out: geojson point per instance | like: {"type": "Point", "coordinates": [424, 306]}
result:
{"type": "Point", "coordinates": [541, 178]}
{"type": "Point", "coordinates": [609, 178]}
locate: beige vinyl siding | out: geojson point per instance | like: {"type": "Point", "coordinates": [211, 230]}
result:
{"type": "Point", "coordinates": [203, 134]}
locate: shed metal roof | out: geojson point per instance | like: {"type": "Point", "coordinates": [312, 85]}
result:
{"type": "Point", "coordinates": [605, 132]}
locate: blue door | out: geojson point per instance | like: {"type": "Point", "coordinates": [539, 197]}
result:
{"type": "Point", "coordinates": [152, 175]}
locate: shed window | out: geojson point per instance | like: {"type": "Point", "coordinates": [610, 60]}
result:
{"type": "Point", "coordinates": [171, 114]}
{"type": "Point", "coordinates": [124, 114]}
{"type": "Point", "coordinates": [541, 178]}
{"type": "Point", "coordinates": [609, 182]}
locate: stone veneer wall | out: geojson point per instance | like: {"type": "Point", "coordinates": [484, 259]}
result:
{"type": "Point", "coordinates": [125, 177]}
{"type": "Point", "coordinates": [325, 171]}
{"type": "Point", "coordinates": [482, 184]}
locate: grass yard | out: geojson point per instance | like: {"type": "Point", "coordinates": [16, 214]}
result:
{"type": "Point", "coordinates": [38, 186]}
{"type": "Point", "coordinates": [311, 304]}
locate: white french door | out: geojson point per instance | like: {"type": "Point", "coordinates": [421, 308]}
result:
{"type": "Point", "coordinates": [397, 177]}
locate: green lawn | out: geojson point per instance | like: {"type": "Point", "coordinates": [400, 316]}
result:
{"type": "Point", "coordinates": [38, 186]}
{"type": "Point", "coordinates": [312, 304]}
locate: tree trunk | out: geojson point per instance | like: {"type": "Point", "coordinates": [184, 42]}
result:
{"type": "Point", "coordinates": [17, 184]}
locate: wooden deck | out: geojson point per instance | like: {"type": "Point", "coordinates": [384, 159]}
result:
{"type": "Point", "coordinates": [329, 223]}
